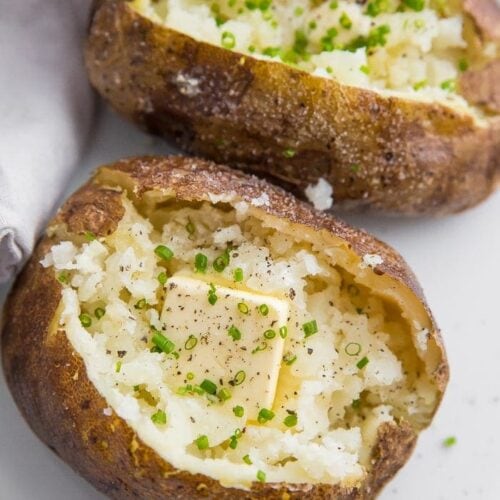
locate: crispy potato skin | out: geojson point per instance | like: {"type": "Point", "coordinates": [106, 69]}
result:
{"type": "Point", "coordinates": [386, 155]}
{"type": "Point", "coordinates": [49, 382]}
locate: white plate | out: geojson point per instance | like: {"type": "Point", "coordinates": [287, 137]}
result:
{"type": "Point", "coordinates": [457, 260]}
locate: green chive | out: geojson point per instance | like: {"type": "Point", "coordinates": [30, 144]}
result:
{"type": "Point", "coordinates": [261, 476]}
{"type": "Point", "coordinates": [239, 378]}
{"type": "Point", "coordinates": [265, 415]}
{"type": "Point", "coordinates": [200, 263]}
{"type": "Point", "coordinates": [449, 441]}
{"type": "Point", "coordinates": [356, 404]}
{"type": "Point", "coordinates": [85, 320]}
{"type": "Point", "coordinates": [239, 411]}
{"type": "Point", "coordinates": [290, 420]}
{"type": "Point", "coordinates": [234, 333]}
{"type": "Point", "coordinates": [164, 252]}
{"type": "Point", "coordinates": [463, 65]}
{"type": "Point", "coordinates": [352, 349]}
{"type": "Point", "coordinates": [209, 387]}
{"type": "Point", "coordinates": [163, 343]}
{"type": "Point", "coordinates": [238, 274]}
{"type": "Point", "coordinates": [212, 297]}
{"type": "Point", "coordinates": [247, 460]}
{"type": "Point", "coordinates": [228, 40]}
{"type": "Point", "coordinates": [269, 334]}
{"type": "Point", "coordinates": [118, 366]}
{"type": "Point", "coordinates": [289, 358]}
{"type": "Point", "coordinates": [162, 278]}
{"type": "Point", "coordinates": [334, 4]}
{"type": "Point", "coordinates": [264, 309]}
{"type": "Point", "coordinates": [221, 262]}
{"type": "Point", "coordinates": [416, 5]}
{"type": "Point", "coordinates": [283, 332]}
{"type": "Point", "coordinates": [224, 394]}
{"type": "Point", "coordinates": [345, 21]}
{"type": "Point", "coordinates": [140, 304]}
{"type": "Point", "coordinates": [159, 418]}
{"type": "Point", "coordinates": [90, 236]}
{"type": "Point", "coordinates": [99, 312]}
{"type": "Point", "coordinates": [243, 308]}
{"type": "Point", "coordinates": [289, 153]}
{"type": "Point", "coordinates": [190, 375]}
{"type": "Point", "coordinates": [310, 328]}
{"type": "Point", "coordinates": [190, 227]}
{"type": "Point", "coordinates": [190, 343]}
{"type": "Point", "coordinates": [449, 85]}
{"type": "Point", "coordinates": [202, 442]}
{"type": "Point", "coordinates": [63, 277]}
{"type": "Point", "coordinates": [362, 362]}
{"type": "Point", "coordinates": [261, 347]}
{"type": "Point", "coordinates": [233, 442]}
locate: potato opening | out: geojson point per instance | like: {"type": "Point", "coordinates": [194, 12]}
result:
{"type": "Point", "coordinates": [242, 347]}
{"type": "Point", "coordinates": [415, 48]}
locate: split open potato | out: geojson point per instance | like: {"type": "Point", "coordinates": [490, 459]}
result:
{"type": "Point", "coordinates": [184, 330]}
{"type": "Point", "coordinates": [392, 104]}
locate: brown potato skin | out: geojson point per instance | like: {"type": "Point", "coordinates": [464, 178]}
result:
{"type": "Point", "coordinates": [386, 155]}
{"type": "Point", "coordinates": [49, 382]}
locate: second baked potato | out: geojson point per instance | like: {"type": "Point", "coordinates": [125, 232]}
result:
{"type": "Point", "coordinates": [393, 104]}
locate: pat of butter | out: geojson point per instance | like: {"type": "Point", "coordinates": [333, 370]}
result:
{"type": "Point", "coordinates": [248, 367]}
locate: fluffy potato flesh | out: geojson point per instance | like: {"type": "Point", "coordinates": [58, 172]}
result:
{"type": "Point", "coordinates": [237, 347]}
{"type": "Point", "coordinates": [414, 47]}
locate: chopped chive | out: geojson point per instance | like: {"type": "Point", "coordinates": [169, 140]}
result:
{"type": "Point", "coordinates": [289, 153]}
{"type": "Point", "coordinates": [239, 411]}
{"type": "Point", "coordinates": [221, 262]}
{"type": "Point", "coordinates": [239, 378]}
{"type": "Point", "coordinates": [140, 304]}
{"type": "Point", "coordinates": [283, 332]}
{"type": "Point", "coordinates": [416, 5]}
{"type": "Point", "coordinates": [420, 85]}
{"type": "Point", "coordinates": [362, 362]}
{"type": "Point", "coordinates": [190, 343]}
{"type": "Point", "coordinates": [247, 460]}
{"type": "Point", "coordinates": [352, 349]}
{"type": "Point", "coordinates": [212, 297]}
{"type": "Point", "coordinates": [310, 328]}
{"type": "Point", "coordinates": [345, 21]}
{"type": "Point", "coordinates": [200, 262]}
{"type": "Point", "coordinates": [334, 4]}
{"type": "Point", "coordinates": [99, 312]}
{"type": "Point", "coordinates": [163, 343]}
{"type": "Point", "coordinates": [164, 252]}
{"type": "Point", "coordinates": [463, 65]}
{"type": "Point", "coordinates": [209, 387]}
{"type": "Point", "coordinates": [118, 366]}
{"type": "Point", "coordinates": [238, 274]}
{"type": "Point", "coordinates": [243, 308]}
{"type": "Point", "coordinates": [289, 359]}
{"type": "Point", "coordinates": [356, 404]}
{"type": "Point", "coordinates": [234, 333]}
{"type": "Point", "coordinates": [190, 227]}
{"type": "Point", "coordinates": [90, 236]}
{"type": "Point", "coordinates": [364, 69]}
{"type": "Point", "coordinates": [261, 347]}
{"type": "Point", "coordinates": [228, 40]}
{"type": "Point", "coordinates": [269, 334]}
{"type": "Point", "coordinates": [224, 394]}
{"type": "Point", "coordinates": [190, 375]}
{"type": "Point", "coordinates": [261, 476]}
{"type": "Point", "coordinates": [136, 387]}
{"type": "Point", "coordinates": [290, 420]}
{"type": "Point", "coordinates": [202, 442]}
{"type": "Point", "coordinates": [63, 277]}
{"type": "Point", "coordinates": [159, 418]}
{"type": "Point", "coordinates": [233, 442]}
{"type": "Point", "coordinates": [265, 415]}
{"type": "Point", "coordinates": [449, 441]}
{"type": "Point", "coordinates": [85, 320]}
{"type": "Point", "coordinates": [162, 278]}
{"type": "Point", "coordinates": [264, 309]}
{"type": "Point", "coordinates": [449, 85]}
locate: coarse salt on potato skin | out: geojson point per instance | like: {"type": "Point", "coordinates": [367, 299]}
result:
{"type": "Point", "coordinates": [383, 154]}
{"type": "Point", "coordinates": [49, 381]}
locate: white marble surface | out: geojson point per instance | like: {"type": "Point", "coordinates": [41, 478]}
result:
{"type": "Point", "coordinates": [457, 260]}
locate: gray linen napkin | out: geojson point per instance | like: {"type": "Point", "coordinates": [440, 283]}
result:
{"type": "Point", "coordinates": [46, 108]}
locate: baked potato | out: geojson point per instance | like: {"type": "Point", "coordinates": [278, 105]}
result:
{"type": "Point", "coordinates": [184, 330]}
{"type": "Point", "coordinates": [392, 105]}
